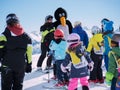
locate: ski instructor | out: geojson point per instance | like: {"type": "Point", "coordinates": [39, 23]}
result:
{"type": "Point", "coordinates": [15, 54]}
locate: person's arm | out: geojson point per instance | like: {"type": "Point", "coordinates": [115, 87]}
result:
{"type": "Point", "coordinates": [2, 42]}
{"type": "Point", "coordinates": [29, 57]}
{"type": "Point", "coordinates": [89, 48]}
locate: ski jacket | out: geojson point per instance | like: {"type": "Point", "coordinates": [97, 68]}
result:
{"type": "Point", "coordinates": [59, 49]}
{"type": "Point", "coordinates": [16, 50]}
{"type": "Point", "coordinates": [112, 61]}
{"type": "Point", "coordinates": [47, 33]}
{"type": "Point", "coordinates": [107, 43]}
{"type": "Point", "coordinates": [79, 61]}
{"type": "Point", "coordinates": [95, 44]}
{"type": "Point", "coordinates": [83, 35]}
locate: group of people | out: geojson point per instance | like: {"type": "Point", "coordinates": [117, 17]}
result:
{"type": "Point", "coordinates": [94, 50]}
{"type": "Point", "coordinates": [76, 50]}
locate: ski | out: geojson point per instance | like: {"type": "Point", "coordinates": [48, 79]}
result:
{"type": "Point", "coordinates": [54, 87]}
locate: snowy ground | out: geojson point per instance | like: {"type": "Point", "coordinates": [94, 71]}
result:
{"type": "Point", "coordinates": [35, 80]}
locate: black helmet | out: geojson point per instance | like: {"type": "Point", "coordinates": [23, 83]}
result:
{"type": "Point", "coordinates": [11, 19]}
{"type": "Point", "coordinates": [48, 18]}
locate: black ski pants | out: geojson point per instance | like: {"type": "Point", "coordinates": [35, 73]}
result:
{"type": "Point", "coordinates": [97, 72]}
{"type": "Point", "coordinates": [11, 80]}
{"type": "Point", "coordinates": [44, 50]}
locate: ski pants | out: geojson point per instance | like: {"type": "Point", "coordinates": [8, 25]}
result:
{"type": "Point", "coordinates": [44, 51]}
{"type": "Point", "coordinates": [113, 84]}
{"type": "Point", "coordinates": [60, 75]}
{"type": "Point", "coordinates": [96, 73]}
{"type": "Point", "coordinates": [11, 80]}
{"type": "Point", "coordinates": [73, 83]}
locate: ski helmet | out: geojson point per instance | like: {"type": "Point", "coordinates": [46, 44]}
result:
{"type": "Point", "coordinates": [96, 30]}
{"type": "Point", "coordinates": [107, 25]}
{"type": "Point", "coordinates": [11, 19]}
{"type": "Point", "coordinates": [116, 37]}
{"type": "Point", "coordinates": [59, 33]}
{"type": "Point", "coordinates": [48, 18]}
{"type": "Point", "coordinates": [73, 38]}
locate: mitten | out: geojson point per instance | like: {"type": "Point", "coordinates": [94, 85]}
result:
{"type": "Point", "coordinates": [28, 68]}
{"type": "Point", "coordinates": [51, 52]}
{"type": "Point", "coordinates": [91, 65]}
{"type": "Point", "coordinates": [108, 79]}
{"type": "Point", "coordinates": [63, 68]}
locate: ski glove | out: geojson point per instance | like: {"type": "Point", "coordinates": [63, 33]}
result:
{"type": "Point", "coordinates": [91, 65]}
{"type": "Point", "coordinates": [109, 77]}
{"type": "Point", "coordinates": [28, 68]}
{"type": "Point", "coordinates": [63, 68]}
{"type": "Point", "coordinates": [51, 52]}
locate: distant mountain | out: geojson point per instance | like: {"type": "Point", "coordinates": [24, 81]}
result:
{"type": "Point", "coordinates": [36, 38]}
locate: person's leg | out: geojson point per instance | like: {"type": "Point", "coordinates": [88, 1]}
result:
{"type": "Point", "coordinates": [18, 80]}
{"type": "Point", "coordinates": [73, 84]}
{"type": "Point", "coordinates": [99, 70]}
{"type": "Point", "coordinates": [113, 84]}
{"type": "Point", "coordinates": [6, 78]}
{"type": "Point", "coordinates": [49, 61]}
{"type": "Point", "coordinates": [84, 83]}
{"type": "Point", "coordinates": [42, 56]}
{"type": "Point", "coordinates": [59, 73]}
{"type": "Point", "coordinates": [93, 73]}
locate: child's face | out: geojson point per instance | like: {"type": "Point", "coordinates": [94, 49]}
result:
{"type": "Point", "coordinates": [113, 44]}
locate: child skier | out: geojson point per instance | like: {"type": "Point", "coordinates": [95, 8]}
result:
{"type": "Point", "coordinates": [95, 48]}
{"type": "Point", "coordinates": [113, 73]}
{"type": "Point", "coordinates": [78, 57]}
{"type": "Point", "coordinates": [107, 30]}
{"type": "Point", "coordinates": [58, 45]}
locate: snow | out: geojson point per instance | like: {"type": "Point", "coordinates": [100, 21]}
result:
{"type": "Point", "coordinates": [35, 80]}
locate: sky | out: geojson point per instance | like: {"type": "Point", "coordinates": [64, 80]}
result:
{"type": "Point", "coordinates": [32, 13]}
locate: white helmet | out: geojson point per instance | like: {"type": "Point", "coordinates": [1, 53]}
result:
{"type": "Point", "coordinates": [116, 37]}
{"type": "Point", "coordinates": [96, 30]}
{"type": "Point", "coordinates": [73, 38]}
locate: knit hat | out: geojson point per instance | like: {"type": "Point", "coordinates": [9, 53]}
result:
{"type": "Point", "coordinates": [11, 18]}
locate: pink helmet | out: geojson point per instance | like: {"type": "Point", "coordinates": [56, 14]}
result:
{"type": "Point", "coordinates": [73, 38]}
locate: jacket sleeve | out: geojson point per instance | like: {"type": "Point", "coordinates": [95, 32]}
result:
{"type": "Point", "coordinates": [112, 64]}
{"type": "Point", "coordinates": [2, 43]}
{"type": "Point", "coordinates": [89, 48]}
{"type": "Point", "coordinates": [67, 60]}
{"type": "Point", "coordinates": [29, 52]}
